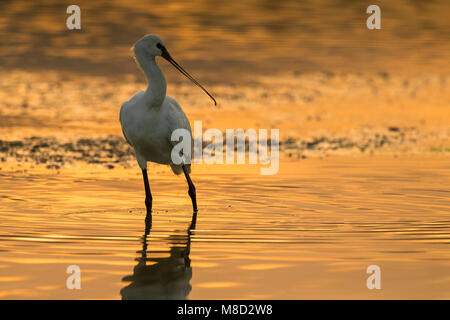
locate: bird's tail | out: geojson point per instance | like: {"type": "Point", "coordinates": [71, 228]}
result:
{"type": "Point", "coordinates": [177, 169]}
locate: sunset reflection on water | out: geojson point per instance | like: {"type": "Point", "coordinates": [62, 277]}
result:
{"type": "Point", "coordinates": [364, 150]}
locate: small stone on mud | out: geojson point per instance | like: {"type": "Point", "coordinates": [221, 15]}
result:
{"type": "Point", "coordinates": [394, 129]}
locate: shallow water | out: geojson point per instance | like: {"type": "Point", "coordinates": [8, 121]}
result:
{"type": "Point", "coordinates": [311, 69]}
{"type": "Point", "coordinates": [309, 232]}
{"type": "Point", "coordinates": [228, 41]}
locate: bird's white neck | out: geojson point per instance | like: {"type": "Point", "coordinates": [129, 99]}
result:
{"type": "Point", "coordinates": [156, 90]}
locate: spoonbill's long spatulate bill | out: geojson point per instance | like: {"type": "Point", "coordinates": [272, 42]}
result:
{"type": "Point", "coordinates": [165, 54]}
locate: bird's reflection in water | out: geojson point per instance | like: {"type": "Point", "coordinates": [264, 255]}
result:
{"type": "Point", "coordinates": [162, 278]}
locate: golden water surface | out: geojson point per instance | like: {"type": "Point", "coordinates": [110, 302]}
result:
{"type": "Point", "coordinates": [309, 232]}
{"type": "Point", "coordinates": [364, 126]}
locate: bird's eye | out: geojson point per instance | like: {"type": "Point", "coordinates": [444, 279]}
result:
{"type": "Point", "coordinates": [158, 45]}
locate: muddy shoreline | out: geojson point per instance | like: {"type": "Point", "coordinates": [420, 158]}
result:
{"type": "Point", "coordinates": [112, 150]}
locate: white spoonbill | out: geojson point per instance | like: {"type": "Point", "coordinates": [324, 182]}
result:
{"type": "Point", "coordinates": [149, 117]}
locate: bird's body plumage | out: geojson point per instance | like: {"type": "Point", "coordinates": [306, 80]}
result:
{"type": "Point", "coordinates": [148, 129]}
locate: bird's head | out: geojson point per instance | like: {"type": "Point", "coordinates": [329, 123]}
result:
{"type": "Point", "coordinates": [151, 45]}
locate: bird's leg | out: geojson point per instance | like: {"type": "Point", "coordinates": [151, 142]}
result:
{"type": "Point", "coordinates": [148, 194]}
{"type": "Point", "coordinates": [191, 191]}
